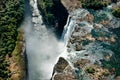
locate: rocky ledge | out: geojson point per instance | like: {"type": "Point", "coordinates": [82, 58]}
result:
{"type": "Point", "coordinates": [71, 5]}
{"type": "Point", "coordinates": [89, 44]}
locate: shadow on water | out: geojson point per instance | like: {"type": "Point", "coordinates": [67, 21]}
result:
{"type": "Point", "coordinates": [26, 22]}
{"type": "Point", "coordinates": [61, 14]}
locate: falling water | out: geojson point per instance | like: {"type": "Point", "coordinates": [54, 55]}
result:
{"type": "Point", "coordinates": [96, 50]}
{"type": "Point", "coordinates": [42, 47]}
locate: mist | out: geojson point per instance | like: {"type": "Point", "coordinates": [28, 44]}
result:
{"type": "Point", "coordinates": [42, 53]}
{"type": "Point", "coordinates": [42, 46]}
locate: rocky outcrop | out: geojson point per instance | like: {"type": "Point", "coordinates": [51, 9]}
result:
{"type": "Point", "coordinates": [18, 60]}
{"type": "Point", "coordinates": [89, 45]}
{"type": "Point", "coordinates": [64, 77]}
{"type": "Point", "coordinates": [89, 48]}
{"type": "Point", "coordinates": [62, 71]}
{"type": "Point", "coordinates": [97, 73]}
{"type": "Point", "coordinates": [71, 5]}
{"type": "Point", "coordinates": [61, 15]}
{"type": "Point", "coordinates": [61, 65]}
{"type": "Point", "coordinates": [118, 78]}
{"type": "Point", "coordinates": [81, 63]}
{"type": "Point", "coordinates": [54, 14]}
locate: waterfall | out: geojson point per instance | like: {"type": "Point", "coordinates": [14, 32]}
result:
{"type": "Point", "coordinates": [78, 27]}
{"type": "Point", "coordinates": [42, 47]}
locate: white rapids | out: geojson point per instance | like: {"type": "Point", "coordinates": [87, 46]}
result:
{"type": "Point", "coordinates": [42, 47]}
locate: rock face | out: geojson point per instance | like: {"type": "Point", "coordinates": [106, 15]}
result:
{"type": "Point", "coordinates": [64, 77]}
{"type": "Point", "coordinates": [71, 5]}
{"type": "Point", "coordinates": [89, 44]}
{"type": "Point", "coordinates": [54, 14]}
{"type": "Point", "coordinates": [118, 78]}
{"type": "Point", "coordinates": [61, 65]}
{"type": "Point", "coordinates": [81, 63]}
{"type": "Point", "coordinates": [97, 73]}
{"type": "Point", "coordinates": [62, 71]}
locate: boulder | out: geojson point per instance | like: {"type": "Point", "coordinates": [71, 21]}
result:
{"type": "Point", "coordinates": [81, 63]}
{"type": "Point", "coordinates": [63, 71]}
{"type": "Point", "coordinates": [71, 5]}
{"type": "Point", "coordinates": [60, 65]}
{"type": "Point", "coordinates": [78, 47]}
{"type": "Point", "coordinates": [118, 78]}
{"type": "Point", "coordinates": [64, 77]}
{"type": "Point", "coordinates": [97, 73]}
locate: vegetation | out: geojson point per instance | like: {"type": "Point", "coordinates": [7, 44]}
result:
{"type": "Point", "coordinates": [90, 70]}
{"type": "Point", "coordinates": [94, 4]}
{"type": "Point", "coordinates": [46, 7]}
{"type": "Point", "coordinates": [54, 14]}
{"type": "Point", "coordinates": [114, 63]}
{"type": "Point", "coordinates": [11, 15]}
{"type": "Point", "coordinates": [116, 12]}
{"type": "Point", "coordinates": [18, 59]}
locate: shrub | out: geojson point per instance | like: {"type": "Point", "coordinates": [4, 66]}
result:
{"type": "Point", "coordinates": [94, 4]}
{"type": "Point", "coordinates": [11, 14]}
{"type": "Point", "coordinates": [90, 70]}
{"type": "Point", "coordinates": [46, 7]}
{"type": "Point", "coordinates": [116, 12]}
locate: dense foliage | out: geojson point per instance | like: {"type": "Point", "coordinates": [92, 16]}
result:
{"type": "Point", "coordinates": [11, 15]}
{"type": "Point", "coordinates": [90, 70]}
{"type": "Point", "coordinates": [46, 7]}
{"type": "Point", "coordinates": [54, 14]}
{"type": "Point", "coordinates": [94, 4]}
{"type": "Point", "coordinates": [114, 63]}
{"type": "Point", "coordinates": [116, 12]}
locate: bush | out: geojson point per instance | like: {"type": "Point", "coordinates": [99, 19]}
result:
{"type": "Point", "coordinates": [116, 12]}
{"type": "Point", "coordinates": [11, 14]}
{"type": "Point", "coordinates": [114, 62]}
{"type": "Point", "coordinates": [90, 70]}
{"type": "Point", "coordinates": [94, 4]}
{"type": "Point", "coordinates": [46, 7]}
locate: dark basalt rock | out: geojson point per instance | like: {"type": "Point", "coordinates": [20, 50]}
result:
{"type": "Point", "coordinates": [64, 77]}
{"type": "Point", "coordinates": [61, 65]}
{"type": "Point", "coordinates": [78, 47]}
{"type": "Point", "coordinates": [61, 14]}
{"type": "Point", "coordinates": [81, 63]}
{"type": "Point", "coordinates": [55, 16]}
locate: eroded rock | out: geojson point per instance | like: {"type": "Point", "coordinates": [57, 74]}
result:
{"type": "Point", "coordinates": [81, 63]}
{"type": "Point", "coordinates": [71, 5]}
{"type": "Point", "coordinates": [61, 65]}
{"type": "Point", "coordinates": [97, 73]}
{"type": "Point", "coordinates": [64, 77]}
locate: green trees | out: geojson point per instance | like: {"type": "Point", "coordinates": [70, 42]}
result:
{"type": "Point", "coordinates": [116, 12]}
{"type": "Point", "coordinates": [46, 7]}
{"type": "Point", "coordinates": [90, 70]}
{"type": "Point", "coordinates": [114, 63]}
{"type": "Point", "coordinates": [11, 14]}
{"type": "Point", "coordinates": [94, 4]}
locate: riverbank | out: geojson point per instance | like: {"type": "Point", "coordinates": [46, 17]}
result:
{"type": "Point", "coordinates": [92, 45]}
{"type": "Point", "coordinates": [11, 16]}
{"type": "Point", "coordinates": [17, 61]}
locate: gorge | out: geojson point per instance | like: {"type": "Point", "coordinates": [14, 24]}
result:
{"type": "Point", "coordinates": [85, 47]}
{"type": "Point", "coordinates": [41, 44]}
{"type": "Point", "coordinates": [60, 40]}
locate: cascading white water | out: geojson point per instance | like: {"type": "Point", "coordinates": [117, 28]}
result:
{"type": "Point", "coordinates": [96, 50]}
{"type": "Point", "coordinates": [42, 47]}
